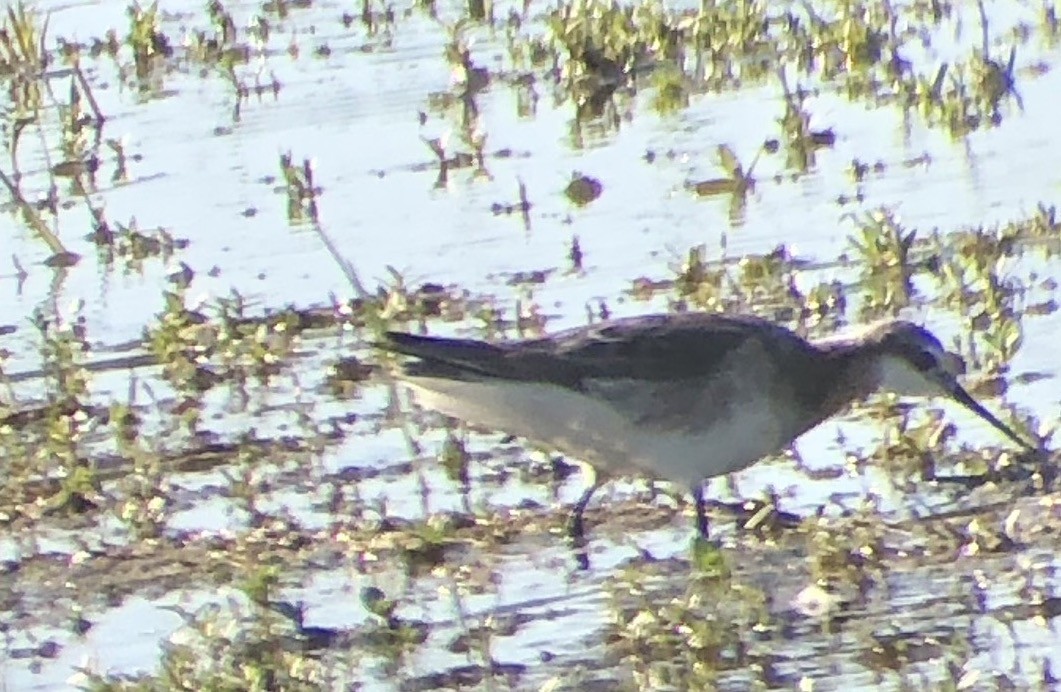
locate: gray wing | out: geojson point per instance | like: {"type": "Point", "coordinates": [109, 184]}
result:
{"type": "Point", "coordinates": [470, 359]}
{"type": "Point", "coordinates": [656, 348]}
{"type": "Point", "coordinates": [662, 347]}
{"type": "Point", "coordinates": [693, 402]}
{"type": "Point", "coordinates": [662, 405]}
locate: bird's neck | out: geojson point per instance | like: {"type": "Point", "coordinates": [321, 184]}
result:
{"type": "Point", "coordinates": [841, 374]}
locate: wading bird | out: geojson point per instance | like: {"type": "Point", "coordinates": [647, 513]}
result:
{"type": "Point", "coordinates": [679, 397]}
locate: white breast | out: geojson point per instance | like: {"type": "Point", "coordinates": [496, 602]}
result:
{"type": "Point", "coordinates": [730, 444]}
{"type": "Point", "coordinates": [567, 421]}
{"type": "Point", "coordinates": [588, 429]}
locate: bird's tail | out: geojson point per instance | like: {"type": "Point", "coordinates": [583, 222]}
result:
{"type": "Point", "coordinates": [444, 357]}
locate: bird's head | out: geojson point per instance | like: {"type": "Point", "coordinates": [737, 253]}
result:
{"type": "Point", "coordinates": [910, 361]}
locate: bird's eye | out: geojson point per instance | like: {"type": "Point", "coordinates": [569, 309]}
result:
{"type": "Point", "coordinates": [923, 360]}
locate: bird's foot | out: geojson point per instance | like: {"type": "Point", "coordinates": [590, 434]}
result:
{"type": "Point", "coordinates": [707, 557]}
{"type": "Point", "coordinates": [576, 532]}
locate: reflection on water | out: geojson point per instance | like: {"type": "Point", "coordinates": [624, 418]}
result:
{"type": "Point", "coordinates": [923, 581]}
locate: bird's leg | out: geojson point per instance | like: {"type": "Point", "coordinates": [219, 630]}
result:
{"type": "Point", "coordinates": [576, 528]}
{"type": "Point", "coordinates": [578, 536]}
{"type": "Point", "coordinates": [701, 510]}
{"type": "Point", "coordinates": [577, 531]}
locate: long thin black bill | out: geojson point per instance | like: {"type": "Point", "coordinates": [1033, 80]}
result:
{"type": "Point", "coordinates": [965, 399]}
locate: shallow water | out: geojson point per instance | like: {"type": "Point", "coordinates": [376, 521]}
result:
{"type": "Point", "coordinates": [211, 176]}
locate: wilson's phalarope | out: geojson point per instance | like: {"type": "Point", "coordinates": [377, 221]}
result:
{"type": "Point", "coordinates": [679, 397]}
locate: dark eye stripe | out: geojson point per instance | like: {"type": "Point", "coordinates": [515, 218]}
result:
{"type": "Point", "coordinates": [922, 359]}
{"type": "Point", "coordinates": [933, 342]}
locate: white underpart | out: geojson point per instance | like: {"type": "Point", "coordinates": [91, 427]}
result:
{"type": "Point", "coordinates": [588, 429]}
{"type": "Point", "coordinates": [899, 377]}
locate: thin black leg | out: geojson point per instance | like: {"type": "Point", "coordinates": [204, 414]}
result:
{"type": "Point", "coordinates": [701, 510]}
{"type": "Point", "coordinates": [577, 530]}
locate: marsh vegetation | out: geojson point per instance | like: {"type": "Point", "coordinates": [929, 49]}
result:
{"type": "Point", "coordinates": [212, 480]}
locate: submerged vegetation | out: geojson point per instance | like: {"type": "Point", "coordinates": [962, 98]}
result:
{"type": "Point", "coordinates": [194, 418]}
